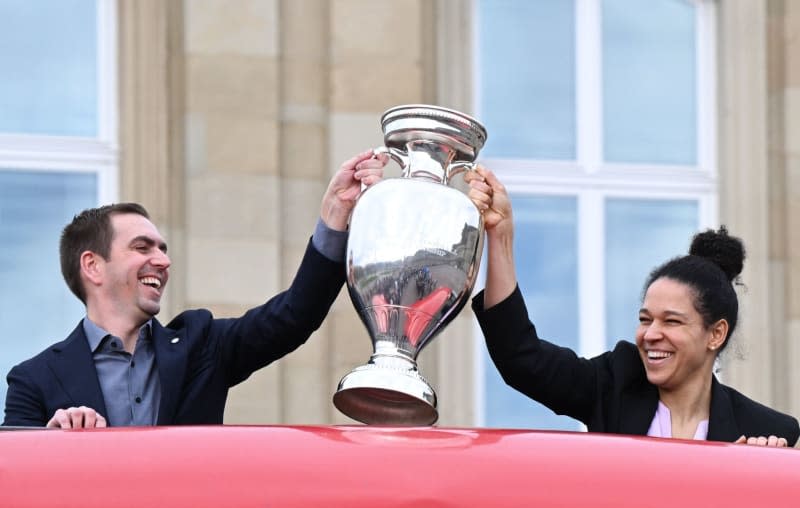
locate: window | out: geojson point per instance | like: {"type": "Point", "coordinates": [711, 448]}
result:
{"type": "Point", "coordinates": [600, 116]}
{"type": "Point", "coordinates": [57, 156]}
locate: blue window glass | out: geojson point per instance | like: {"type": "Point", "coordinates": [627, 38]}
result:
{"type": "Point", "coordinates": [649, 82]}
{"type": "Point", "coordinates": [545, 251]}
{"type": "Point", "coordinates": [640, 235]}
{"type": "Point", "coordinates": [527, 78]}
{"type": "Point", "coordinates": [36, 307]}
{"type": "Point", "coordinates": [48, 53]}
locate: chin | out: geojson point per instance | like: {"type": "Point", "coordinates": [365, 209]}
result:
{"type": "Point", "coordinates": [654, 379]}
{"type": "Point", "coordinates": [150, 308]}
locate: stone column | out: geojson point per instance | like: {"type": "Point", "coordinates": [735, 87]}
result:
{"type": "Point", "coordinates": [455, 351]}
{"type": "Point", "coordinates": [151, 126]}
{"type": "Point", "coordinates": [784, 30]}
{"type": "Point", "coordinates": [744, 187]}
{"type": "Point", "coordinates": [304, 171]}
{"type": "Point", "coordinates": [234, 203]}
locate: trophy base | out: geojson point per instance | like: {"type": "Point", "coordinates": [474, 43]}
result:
{"type": "Point", "coordinates": [376, 395]}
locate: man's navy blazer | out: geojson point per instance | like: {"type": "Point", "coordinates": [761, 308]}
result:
{"type": "Point", "coordinates": [609, 393]}
{"type": "Point", "coordinates": [198, 357]}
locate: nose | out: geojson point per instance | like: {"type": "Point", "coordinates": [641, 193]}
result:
{"type": "Point", "coordinates": [652, 332]}
{"type": "Point", "coordinates": [161, 260]}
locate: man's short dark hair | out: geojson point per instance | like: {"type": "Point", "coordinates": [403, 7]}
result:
{"type": "Point", "coordinates": [89, 230]}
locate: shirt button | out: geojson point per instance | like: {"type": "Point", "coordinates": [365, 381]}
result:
{"type": "Point", "coordinates": [138, 400]}
{"type": "Point", "coordinates": [133, 364]}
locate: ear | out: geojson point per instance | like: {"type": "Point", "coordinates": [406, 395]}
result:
{"type": "Point", "coordinates": [92, 267]}
{"type": "Point", "coordinates": [719, 331]}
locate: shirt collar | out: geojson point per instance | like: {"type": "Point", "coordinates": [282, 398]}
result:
{"type": "Point", "coordinates": [95, 334]}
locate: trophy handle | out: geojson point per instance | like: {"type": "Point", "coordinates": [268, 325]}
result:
{"type": "Point", "coordinates": [394, 153]}
{"type": "Point", "coordinates": [458, 167]}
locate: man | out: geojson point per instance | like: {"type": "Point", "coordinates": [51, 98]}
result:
{"type": "Point", "coordinates": [120, 366]}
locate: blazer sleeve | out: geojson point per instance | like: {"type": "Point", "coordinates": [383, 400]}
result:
{"type": "Point", "coordinates": [23, 400]}
{"type": "Point", "coordinates": [270, 331]}
{"type": "Point", "coordinates": [552, 375]}
{"type": "Point", "coordinates": [752, 419]}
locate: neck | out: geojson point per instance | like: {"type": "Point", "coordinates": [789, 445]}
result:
{"type": "Point", "coordinates": [688, 405]}
{"type": "Point", "coordinates": [125, 328]}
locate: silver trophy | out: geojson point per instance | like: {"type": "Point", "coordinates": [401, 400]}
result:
{"type": "Point", "coordinates": [412, 258]}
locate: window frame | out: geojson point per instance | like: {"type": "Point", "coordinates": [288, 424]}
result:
{"type": "Point", "coordinates": [591, 180]}
{"type": "Point", "coordinates": [98, 155]}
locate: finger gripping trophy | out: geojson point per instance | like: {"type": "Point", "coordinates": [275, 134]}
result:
{"type": "Point", "coordinates": [413, 254]}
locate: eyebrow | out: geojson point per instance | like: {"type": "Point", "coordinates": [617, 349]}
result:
{"type": "Point", "coordinates": [667, 313]}
{"type": "Point", "coordinates": [162, 246]}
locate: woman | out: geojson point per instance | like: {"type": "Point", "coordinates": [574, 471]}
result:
{"type": "Point", "coordinates": [663, 385]}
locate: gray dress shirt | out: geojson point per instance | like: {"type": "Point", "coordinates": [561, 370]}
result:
{"type": "Point", "coordinates": [129, 382]}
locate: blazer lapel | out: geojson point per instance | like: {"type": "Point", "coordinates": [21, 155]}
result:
{"type": "Point", "coordinates": [171, 357]}
{"type": "Point", "coordinates": [637, 409]}
{"type": "Point", "coordinates": [72, 364]}
{"type": "Point", "coordinates": [722, 424]}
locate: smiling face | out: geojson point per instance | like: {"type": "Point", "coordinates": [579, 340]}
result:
{"type": "Point", "coordinates": [133, 278]}
{"type": "Point", "coordinates": [676, 347]}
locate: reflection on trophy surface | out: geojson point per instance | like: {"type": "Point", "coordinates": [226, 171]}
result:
{"type": "Point", "coordinates": [412, 258]}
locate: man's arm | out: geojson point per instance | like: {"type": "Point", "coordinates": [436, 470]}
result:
{"type": "Point", "coordinates": [25, 407]}
{"type": "Point", "coordinates": [24, 404]}
{"type": "Point", "coordinates": [286, 321]}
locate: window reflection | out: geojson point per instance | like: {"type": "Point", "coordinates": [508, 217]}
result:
{"type": "Point", "coordinates": [48, 53]}
{"type": "Point", "coordinates": [36, 307]}
{"type": "Point", "coordinates": [547, 268]}
{"type": "Point", "coordinates": [640, 235]}
{"type": "Point", "coordinates": [649, 82]}
{"type": "Point", "coordinates": [527, 78]}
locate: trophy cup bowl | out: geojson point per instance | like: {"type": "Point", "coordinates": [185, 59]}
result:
{"type": "Point", "coordinates": [413, 254]}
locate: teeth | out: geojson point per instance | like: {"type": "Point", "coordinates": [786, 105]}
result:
{"type": "Point", "coordinates": [151, 281]}
{"type": "Point", "coordinates": [655, 355]}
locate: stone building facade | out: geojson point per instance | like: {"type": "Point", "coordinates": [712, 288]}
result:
{"type": "Point", "coordinates": [234, 114]}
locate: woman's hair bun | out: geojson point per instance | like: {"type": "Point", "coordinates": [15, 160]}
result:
{"type": "Point", "coordinates": [720, 248]}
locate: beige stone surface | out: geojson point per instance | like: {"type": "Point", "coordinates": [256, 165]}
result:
{"type": "Point", "coordinates": [304, 151]}
{"type": "Point", "coordinates": [791, 31]}
{"type": "Point", "coordinates": [259, 399]}
{"type": "Point", "coordinates": [792, 211]}
{"type": "Point", "coordinates": [792, 125]}
{"type": "Point", "coordinates": [308, 79]}
{"type": "Point", "coordinates": [357, 87]}
{"type": "Point", "coordinates": [455, 369]}
{"type": "Point", "coordinates": [292, 256]}
{"type": "Point", "coordinates": [777, 176]}
{"type": "Point", "coordinates": [195, 143]}
{"type": "Point", "coordinates": [350, 345]}
{"type": "Point", "coordinates": [750, 177]}
{"type": "Point", "coordinates": [231, 271]}
{"type": "Point", "coordinates": [352, 133]}
{"type": "Point", "coordinates": [307, 390]}
{"type": "Point", "coordinates": [304, 28]}
{"type": "Point", "coordinates": [237, 144]}
{"type": "Point", "coordinates": [232, 26]}
{"type": "Point", "coordinates": [232, 84]}
{"type": "Point", "coordinates": [368, 28]}
{"type": "Point", "coordinates": [234, 206]}
{"type": "Point", "coordinates": [301, 209]}
{"type": "Point", "coordinates": [793, 374]}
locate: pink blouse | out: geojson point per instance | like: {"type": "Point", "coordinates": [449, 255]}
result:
{"type": "Point", "coordinates": [661, 425]}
